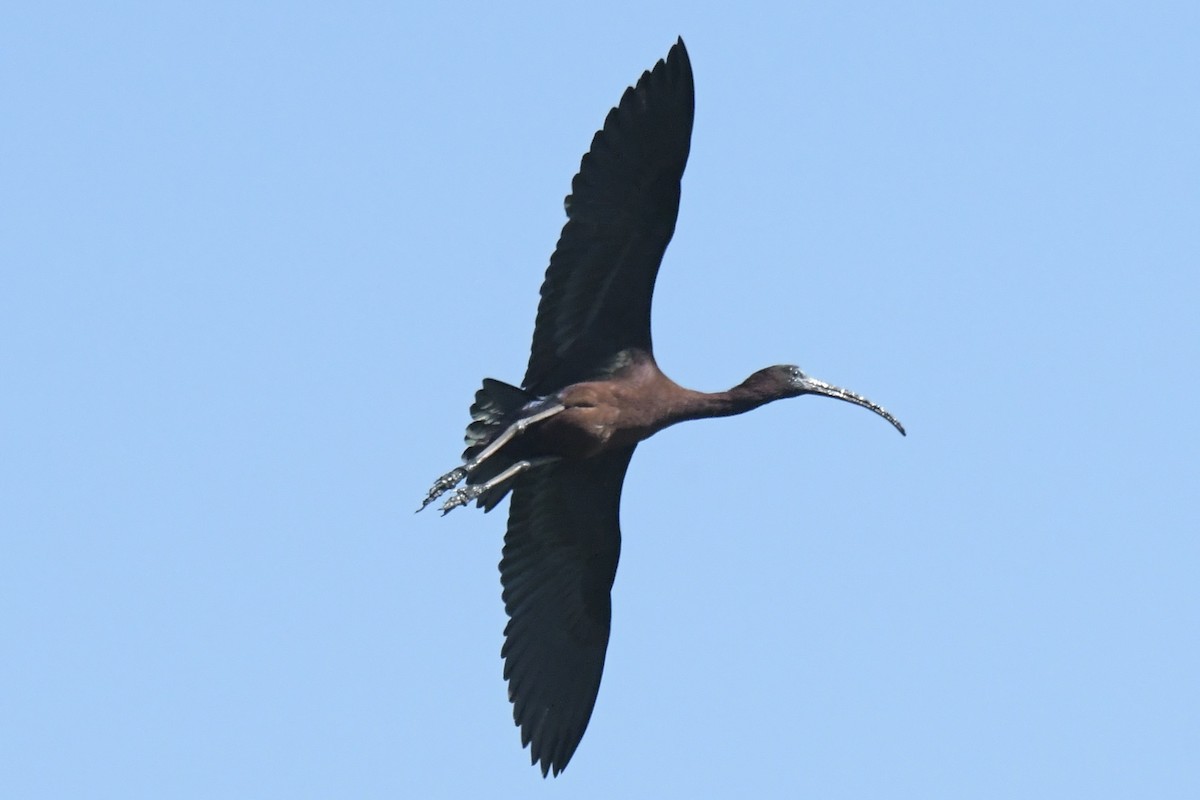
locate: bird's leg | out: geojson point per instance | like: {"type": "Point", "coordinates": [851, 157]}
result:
{"type": "Point", "coordinates": [475, 490]}
{"type": "Point", "coordinates": [516, 429]}
{"type": "Point", "coordinates": [455, 476]}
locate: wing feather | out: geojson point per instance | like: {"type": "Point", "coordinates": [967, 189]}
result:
{"type": "Point", "coordinates": [560, 558]}
{"type": "Point", "coordinates": [621, 213]}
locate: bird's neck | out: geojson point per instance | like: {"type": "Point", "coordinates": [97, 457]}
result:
{"type": "Point", "coordinates": [738, 400]}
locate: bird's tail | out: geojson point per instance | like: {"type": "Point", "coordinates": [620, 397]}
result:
{"type": "Point", "coordinates": [497, 405]}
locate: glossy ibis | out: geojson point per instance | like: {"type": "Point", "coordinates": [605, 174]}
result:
{"type": "Point", "coordinates": [561, 443]}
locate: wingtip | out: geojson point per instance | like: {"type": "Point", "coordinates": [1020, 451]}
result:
{"type": "Point", "coordinates": [679, 49]}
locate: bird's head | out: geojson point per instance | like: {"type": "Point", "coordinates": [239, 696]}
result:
{"type": "Point", "coordinates": [788, 380]}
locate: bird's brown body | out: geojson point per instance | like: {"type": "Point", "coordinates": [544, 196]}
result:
{"type": "Point", "coordinates": [561, 442]}
{"type": "Point", "coordinates": [620, 411]}
{"type": "Point", "coordinates": [637, 402]}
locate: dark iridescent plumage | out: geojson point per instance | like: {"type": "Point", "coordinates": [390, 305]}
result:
{"type": "Point", "coordinates": [562, 443]}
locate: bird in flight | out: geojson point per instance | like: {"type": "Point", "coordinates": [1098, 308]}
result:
{"type": "Point", "coordinates": [561, 442]}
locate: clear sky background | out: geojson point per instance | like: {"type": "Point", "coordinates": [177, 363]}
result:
{"type": "Point", "coordinates": [254, 262]}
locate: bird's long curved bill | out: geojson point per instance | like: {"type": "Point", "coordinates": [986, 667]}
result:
{"type": "Point", "coordinates": [815, 386]}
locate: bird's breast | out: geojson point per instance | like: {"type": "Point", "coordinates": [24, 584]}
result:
{"type": "Point", "coordinates": [579, 431]}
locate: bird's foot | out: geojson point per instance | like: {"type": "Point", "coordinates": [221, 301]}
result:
{"type": "Point", "coordinates": [463, 496]}
{"type": "Point", "coordinates": [443, 485]}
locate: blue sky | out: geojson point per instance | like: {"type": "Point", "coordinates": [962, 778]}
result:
{"type": "Point", "coordinates": [254, 262]}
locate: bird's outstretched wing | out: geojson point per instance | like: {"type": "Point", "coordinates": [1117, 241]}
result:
{"type": "Point", "coordinates": [620, 217]}
{"type": "Point", "coordinates": [560, 557]}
